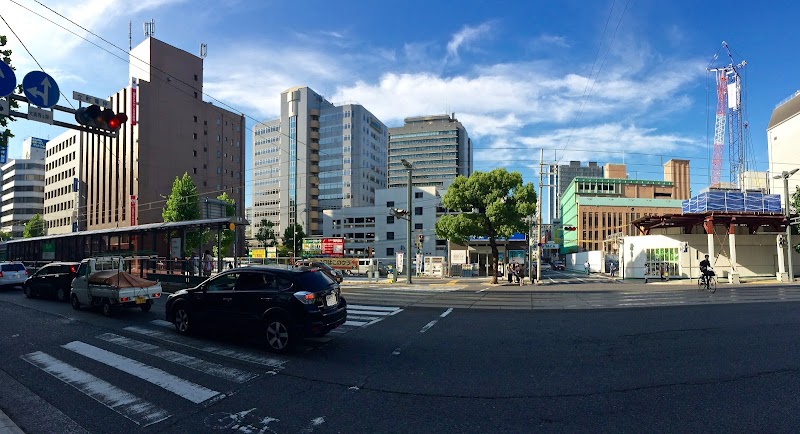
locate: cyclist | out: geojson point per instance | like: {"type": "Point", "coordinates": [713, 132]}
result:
{"type": "Point", "coordinates": [705, 268]}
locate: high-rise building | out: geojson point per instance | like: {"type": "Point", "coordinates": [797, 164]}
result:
{"type": "Point", "coordinates": [783, 134]}
{"type": "Point", "coordinates": [63, 202]}
{"type": "Point", "coordinates": [171, 131]}
{"type": "Point", "coordinates": [316, 156]}
{"type": "Point", "coordinates": [23, 187]}
{"type": "Point", "coordinates": [558, 179]}
{"type": "Point", "coordinates": [438, 148]}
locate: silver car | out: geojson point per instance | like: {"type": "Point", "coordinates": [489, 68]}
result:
{"type": "Point", "coordinates": [12, 274]}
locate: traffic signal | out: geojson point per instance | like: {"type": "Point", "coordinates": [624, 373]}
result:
{"type": "Point", "coordinates": [570, 228]}
{"type": "Point", "coordinates": [97, 117]}
{"type": "Point", "coordinates": [421, 238]}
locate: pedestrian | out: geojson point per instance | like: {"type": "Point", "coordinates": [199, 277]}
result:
{"type": "Point", "coordinates": [521, 274]}
{"type": "Point", "coordinates": [509, 272]}
{"type": "Point", "coordinates": [586, 266]}
{"type": "Point", "coordinates": [208, 263]}
{"type": "Point", "coordinates": [194, 265]}
{"type": "Point", "coordinates": [516, 273]}
{"type": "Point", "coordinates": [613, 270]}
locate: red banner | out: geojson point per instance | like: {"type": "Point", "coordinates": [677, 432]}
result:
{"type": "Point", "coordinates": [133, 101]}
{"type": "Point", "coordinates": [333, 247]}
{"type": "Point", "coordinates": [133, 210]}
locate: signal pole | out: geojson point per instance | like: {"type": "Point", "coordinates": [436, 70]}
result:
{"type": "Point", "coordinates": [539, 219]}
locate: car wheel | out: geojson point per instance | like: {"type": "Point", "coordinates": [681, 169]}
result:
{"type": "Point", "coordinates": [182, 320]}
{"type": "Point", "coordinates": [147, 306]}
{"type": "Point", "coordinates": [278, 335]}
{"type": "Point", "coordinates": [108, 310]}
{"type": "Point", "coordinates": [61, 294]}
{"type": "Point", "coordinates": [28, 291]}
{"type": "Point", "coordinates": [75, 303]}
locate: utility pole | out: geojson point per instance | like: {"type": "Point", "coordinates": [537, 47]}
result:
{"type": "Point", "coordinates": [410, 212]}
{"type": "Point", "coordinates": [539, 219]}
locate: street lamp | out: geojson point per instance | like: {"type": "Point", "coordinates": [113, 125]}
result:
{"type": "Point", "coordinates": [786, 175]}
{"type": "Point", "coordinates": [408, 167]}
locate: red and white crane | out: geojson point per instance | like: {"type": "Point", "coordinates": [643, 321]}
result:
{"type": "Point", "coordinates": [730, 110]}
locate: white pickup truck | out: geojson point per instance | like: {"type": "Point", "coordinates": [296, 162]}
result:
{"type": "Point", "coordinates": [103, 282]}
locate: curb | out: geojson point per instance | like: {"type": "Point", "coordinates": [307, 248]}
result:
{"type": "Point", "coordinates": [7, 426]}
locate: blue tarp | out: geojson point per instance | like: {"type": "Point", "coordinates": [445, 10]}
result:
{"type": "Point", "coordinates": [733, 201]}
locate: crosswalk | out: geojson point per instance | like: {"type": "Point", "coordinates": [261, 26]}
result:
{"type": "Point", "coordinates": [128, 370]}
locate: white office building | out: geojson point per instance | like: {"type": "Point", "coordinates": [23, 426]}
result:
{"type": "Point", "coordinates": [316, 156]}
{"type": "Point", "coordinates": [23, 187]}
{"type": "Point", "coordinates": [63, 205]}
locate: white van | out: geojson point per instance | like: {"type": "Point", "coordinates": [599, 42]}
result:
{"type": "Point", "coordinates": [363, 265]}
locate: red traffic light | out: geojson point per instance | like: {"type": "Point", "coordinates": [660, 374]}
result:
{"type": "Point", "coordinates": [570, 228]}
{"type": "Point", "coordinates": [96, 117]}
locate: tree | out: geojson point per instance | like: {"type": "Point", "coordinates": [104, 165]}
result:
{"type": "Point", "coordinates": [493, 204]}
{"type": "Point", "coordinates": [794, 205]}
{"type": "Point", "coordinates": [183, 204]}
{"type": "Point", "coordinates": [5, 133]}
{"type": "Point", "coordinates": [225, 238]}
{"type": "Point", "coordinates": [36, 227]}
{"type": "Point", "coordinates": [266, 233]}
{"type": "Point", "coordinates": [5, 236]}
{"type": "Point", "coordinates": [293, 239]}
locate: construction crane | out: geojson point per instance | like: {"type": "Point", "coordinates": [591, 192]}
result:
{"type": "Point", "coordinates": [730, 110]}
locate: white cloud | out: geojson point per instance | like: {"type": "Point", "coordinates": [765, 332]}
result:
{"type": "Point", "coordinates": [547, 41]}
{"type": "Point", "coordinates": [466, 36]}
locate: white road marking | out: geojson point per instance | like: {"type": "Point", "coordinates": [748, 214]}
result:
{"type": "Point", "coordinates": [356, 323]}
{"type": "Point", "coordinates": [129, 406]}
{"type": "Point", "coordinates": [162, 323]}
{"type": "Point", "coordinates": [481, 290]}
{"type": "Point", "coordinates": [362, 317]}
{"type": "Point", "coordinates": [429, 325]}
{"type": "Point", "coordinates": [211, 368]}
{"type": "Point", "coordinates": [372, 308]}
{"type": "Point", "coordinates": [234, 354]}
{"type": "Point", "coordinates": [183, 388]}
{"type": "Point", "coordinates": [447, 312]}
{"type": "Point", "coordinates": [367, 312]}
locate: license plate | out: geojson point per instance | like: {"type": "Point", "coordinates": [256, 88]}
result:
{"type": "Point", "coordinates": [141, 300]}
{"type": "Point", "coordinates": [330, 300]}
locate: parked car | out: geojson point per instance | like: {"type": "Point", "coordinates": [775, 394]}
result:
{"type": "Point", "coordinates": [52, 280]}
{"type": "Point", "coordinates": [12, 274]}
{"type": "Point", "coordinates": [333, 273]}
{"type": "Point", "coordinates": [558, 265]}
{"type": "Point", "coordinates": [286, 305]}
{"type": "Point", "coordinates": [546, 266]}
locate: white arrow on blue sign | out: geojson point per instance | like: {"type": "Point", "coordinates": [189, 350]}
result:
{"type": "Point", "coordinates": [41, 89]}
{"type": "Point", "coordinates": [8, 80]}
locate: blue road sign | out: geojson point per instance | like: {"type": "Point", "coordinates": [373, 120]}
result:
{"type": "Point", "coordinates": [40, 89]}
{"type": "Point", "coordinates": [8, 80]}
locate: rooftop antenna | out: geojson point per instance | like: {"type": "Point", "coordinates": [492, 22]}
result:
{"type": "Point", "coordinates": [203, 50]}
{"type": "Point", "coordinates": [130, 36]}
{"type": "Point", "coordinates": [149, 28]}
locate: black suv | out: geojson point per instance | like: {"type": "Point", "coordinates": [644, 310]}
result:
{"type": "Point", "coordinates": [287, 305]}
{"type": "Point", "coordinates": [52, 280]}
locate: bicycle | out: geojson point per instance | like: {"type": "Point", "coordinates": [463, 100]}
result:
{"type": "Point", "coordinates": [707, 282]}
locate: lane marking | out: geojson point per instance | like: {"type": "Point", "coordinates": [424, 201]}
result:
{"type": "Point", "coordinates": [211, 368]}
{"type": "Point", "coordinates": [130, 406]}
{"type": "Point", "coordinates": [183, 388]}
{"type": "Point", "coordinates": [447, 312]}
{"type": "Point", "coordinates": [429, 325]}
{"type": "Point", "coordinates": [250, 357]}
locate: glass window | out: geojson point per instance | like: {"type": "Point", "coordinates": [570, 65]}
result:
{"type": "Point", "coordinates": [226, 282]}
{"type": "Point", "coordinates": [389, 235]}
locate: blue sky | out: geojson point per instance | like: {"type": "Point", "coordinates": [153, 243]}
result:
{"type": "Point", "coordinates": [585, 80]}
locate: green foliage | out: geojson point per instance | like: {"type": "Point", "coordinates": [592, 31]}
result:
{"type": "Point", "coordinates": [494, 204]}
{"type": "Point", "coordinates": [5, 236]}
{"type": "Point", "coordinates": [36, 227]}
{"type": "Point", "coordinates": [5, 134]}
{"type": "Point", "coordinates": [794, 206]}
{"type": "Point", "coordinates": [183, 204]}
{"type": "Point", "coordinates": [266, 233]}
{"type": "Point", "coordinates": [227, 235]}
{"type": "Point", "coordinates": [289, 236]}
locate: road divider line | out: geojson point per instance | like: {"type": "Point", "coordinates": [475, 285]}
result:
{"type": "Point", "coordinates": [445, 313]}
{"type": "Point", "coordinates": [183, 388]}
{"type": "Point", "coordinates": [130, 406]}
{"type": "Point", "coordinates": [429, 325]}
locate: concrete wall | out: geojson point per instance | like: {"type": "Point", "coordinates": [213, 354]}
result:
{"type": "Point", "coordinates": [575, 261]}
{"type": "Point", "coordinates": [756, 255]}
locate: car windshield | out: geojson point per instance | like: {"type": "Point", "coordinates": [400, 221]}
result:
{"type": "Point", "coordinates": [314, 281]}
{"type": "Point", "coordinates": [12, 267]}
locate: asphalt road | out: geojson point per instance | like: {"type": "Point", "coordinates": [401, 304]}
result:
{"type": "Point", "coordinates": [729, 367]}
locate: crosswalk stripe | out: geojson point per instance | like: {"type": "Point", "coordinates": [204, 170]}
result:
{"type": "Point", "coordinates": [362, 317]}
{"type": "Point", "coordinates": [211, 368]}
{"type": "Point", "coordinates": [162, 323]}
{"type": "Point", "coordinates": [355, 323]}
{"type": "Point", "coordinates": [372, 308]}
{"type": "Point", "coordinates": [234, 354]}
{"type": "Point", "coordinates": [130, 406]}
{"type": "Point", "coordinates": [183, 388]}
{"type": "Point", "coordinates": [367, 312]}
